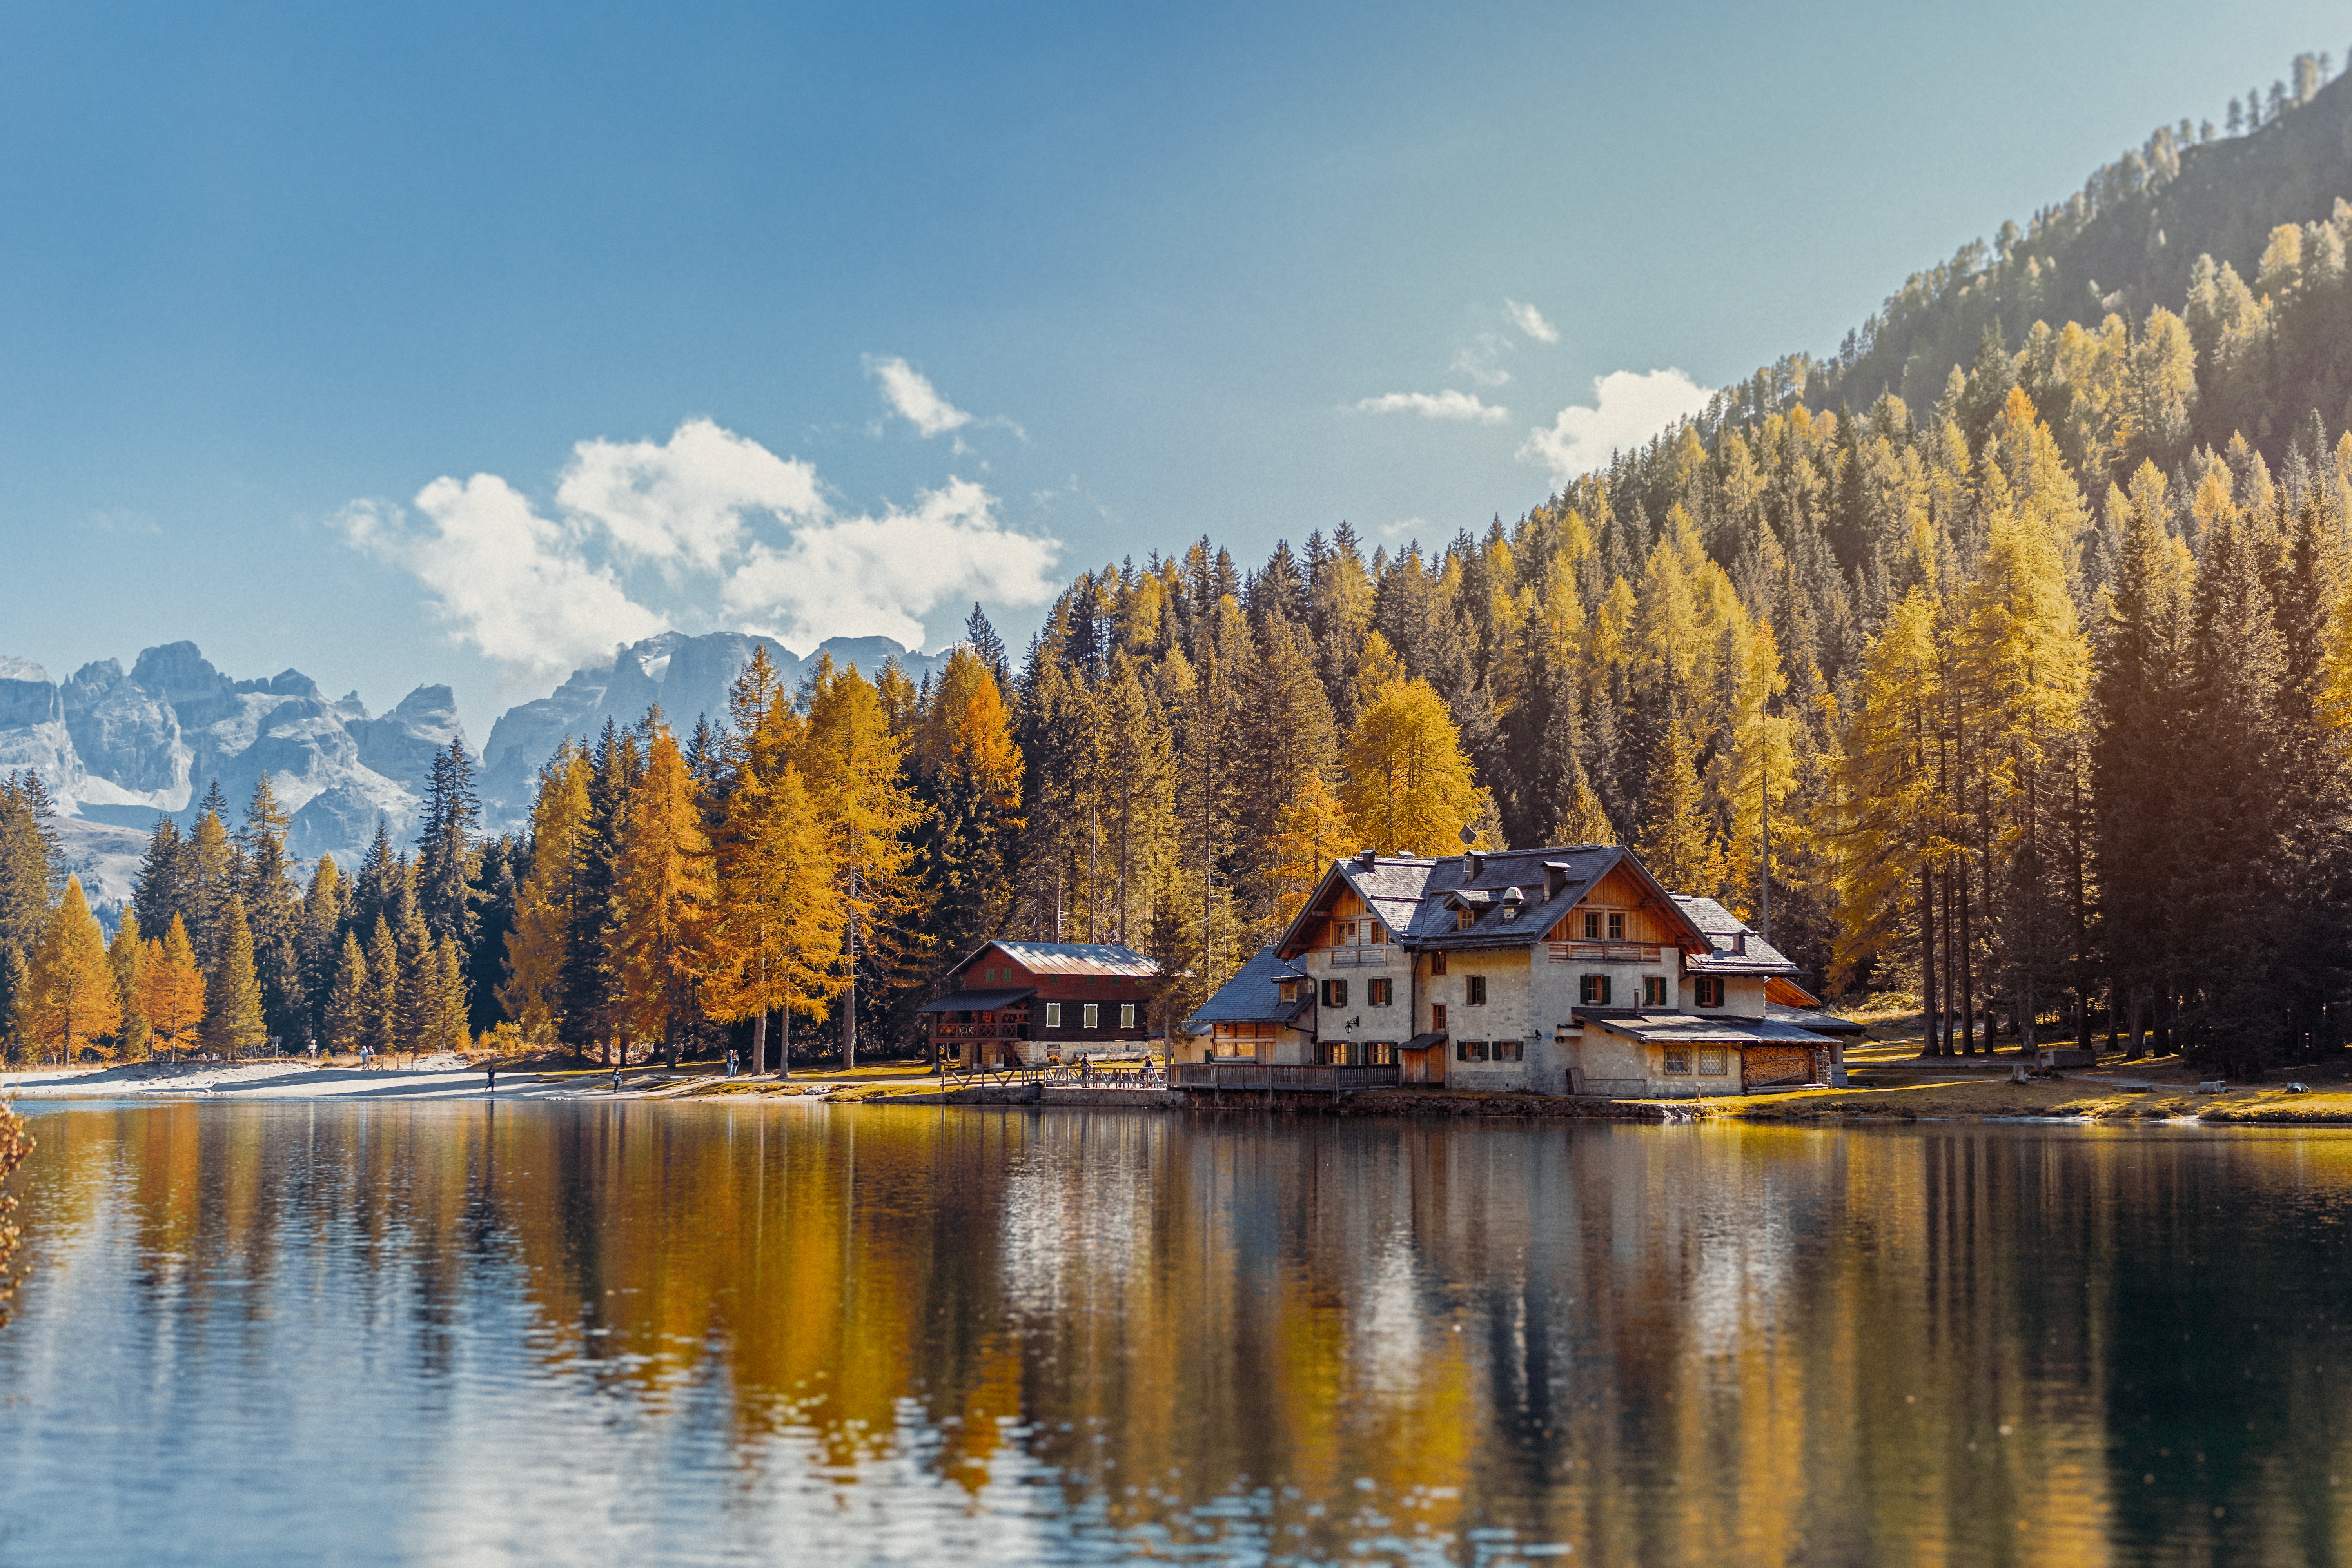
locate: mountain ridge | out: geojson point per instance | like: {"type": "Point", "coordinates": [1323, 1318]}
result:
{"type": "Point", "coordinates": [116, 748]}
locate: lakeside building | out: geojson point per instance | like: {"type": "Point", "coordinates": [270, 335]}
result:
{"type": "Point", "coordinates": [1023, 1003]}
{"type": "Point", "coordinates": [1564, 971]}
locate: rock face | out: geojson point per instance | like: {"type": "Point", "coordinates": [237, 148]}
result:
{"type": "Point", "coordinates": [119, 750]}
{"type": "Point", "coordinates": [116, 749]}
{"type": "Point", "coordinates": [688, 676]}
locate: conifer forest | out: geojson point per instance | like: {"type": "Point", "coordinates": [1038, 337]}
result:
{"type": "Point", "coordinates": [2008, 651]}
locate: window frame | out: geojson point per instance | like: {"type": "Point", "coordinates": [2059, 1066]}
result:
{"type": "Point", "coordinates": [1511, 1051]}
{"type": "Point", "coordinates": [1127, 1015]}
{"type": "Point", "coordinates": [1436, 963]}
{"type": "Point", "coordinates": [1677, 1060]}
{"type": "Point", "coordinates": [1437, 1017]}
{"type": "Point", "coordinates": [1090, 1015]}
{"type": "Point", "coordinates": [1474, 991]}
{"type": "Point", "coordinates": [1616, 926]}
{"type": "Point", "coordinates": [1592, 990]}
{"type": "Point", "coordinates": [1714, 1061]}
{"type": "Point", "coordinates": [1334, 993]}
{"type": "Point", "coordinates": [1706, 991]}
{"type": "Point", "coordinates": [1653, 991]}
{"type": "Point", "coordinates": [1380, 992]}
{"type": "Point", "coordinates": [1053, 1015]}
{"type": "Point", "coordinates": [1593, 925]}
{"type": "Point", "coordinates": [1469, 1050]}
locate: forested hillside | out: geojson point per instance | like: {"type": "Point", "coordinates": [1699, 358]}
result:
{"type": "Point", "coordinates": [2021, 637]}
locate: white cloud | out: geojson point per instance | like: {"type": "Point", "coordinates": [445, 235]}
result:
{"type": "Point", "coordinates": [860, 576]}
{"type": "Point", "coordinates": [1446, 404]}
{"type": "Point", "coordinates": [915, 399]}
{"type": "Point", "coordinates": [515, 584]}
{"type": "Point", "coordinates": [1530, 320]}
{"type": "Point", "coordinates": [1481, 360]}
{"type": "Point", "coordinates": [683, 503]}
{"type": "Point", "coordinates": [706, 518]}
{"type": "Point", "coordinates": [1628, 408]}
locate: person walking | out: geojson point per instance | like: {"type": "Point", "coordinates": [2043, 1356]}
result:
{"type": "Point", "coordinates": [616, 1081]}
{"type": "Point", "coordinates": [492, 1072]}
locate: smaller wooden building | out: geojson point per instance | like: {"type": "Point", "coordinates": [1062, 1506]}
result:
{"type": "Point", "coordinates": [1025, 1003]}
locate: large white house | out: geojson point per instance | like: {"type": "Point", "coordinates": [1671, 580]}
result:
{"type": "Point", "coordinates": [1560, 971]}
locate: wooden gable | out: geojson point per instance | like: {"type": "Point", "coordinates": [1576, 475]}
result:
{"type": "Point", "coordinates": [1650, 919]}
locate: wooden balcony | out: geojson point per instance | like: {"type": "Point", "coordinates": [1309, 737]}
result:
{"type": "Point", "coordinates": [1236, 1075]}
{"type": "Point", "coordinates": [1359, 957]}
{"type": "Point", "coordinates": [1604, 952]}
{"type": "Point", "coordinates": [1012, 1023]}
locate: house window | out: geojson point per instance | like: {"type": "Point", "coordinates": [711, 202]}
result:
{"type": "Point", "coordinates": [1710, 990]}
{"type": "Point", "coordinates": [1470, 1050]}
{"type": "Point", "coordinates": [1510, 1050]}
{"type": "Point", "coordinates": [1331, 1054]}
{"type": "Point", "coordinates": [1290, 990]}
{"type": "Point", "coordinates": [1437, 963]}
{"type": "Point", "coordinates": [1437, 1017]}
{"type": "Point", "coordinates": [1712, 1061]}
{"type": "Point", "coordinates": [1127, 1015]}
{"type": "Point", "coordinates": [1592, 990]}
{"type": "Point", "coordinates": [1334, 993]}
{"type": "Point", "coordinates": [1678, 1059]}
{"type": "Point", "coordinates": [1379, 933]}
{"type": "Point", "coordinates": [1653, 991]}
{"type": "Point", "coordinates": [1462, 920]}
{"type": "Point", "coordinates": [1053, 1015]}
{"type": "Point", "coordinates": [1378, 992]}
{"type": "Point", "coordinates": [1616, 927]}
{"type": "Point", "coordinates": [1592, 928]}
{"type": "Point", "coordinates": [1380, 1054]}
{"type": "Point", "coordinates": [1474, 991]}
{"type": "Point", "coordinates": [1094, 1016]}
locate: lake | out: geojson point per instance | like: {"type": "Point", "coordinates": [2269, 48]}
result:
{"type": "Point", "coordinates": [742, 1332]}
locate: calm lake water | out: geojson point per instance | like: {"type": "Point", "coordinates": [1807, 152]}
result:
{"type": "Point", "coordinates": [703, 1333]}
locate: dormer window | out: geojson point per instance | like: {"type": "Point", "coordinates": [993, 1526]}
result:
{"type": "Point", "coordinates": [1463, 919]}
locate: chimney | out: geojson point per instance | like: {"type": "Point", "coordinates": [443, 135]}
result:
{"type": "Point", "coordinates": [1739, 943]}
{"type": "Point", "coordinates": [1474, 864]}
{"type": "Point", "coordinates": [1555, 879]}
{"type": "Point", "coordinates": [1369, 860]}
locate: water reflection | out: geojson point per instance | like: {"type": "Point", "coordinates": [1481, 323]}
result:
{"type": "Point", "coordinates": [712, 1333]}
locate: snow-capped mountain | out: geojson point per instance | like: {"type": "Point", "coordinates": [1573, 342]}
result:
{"type": "Point", "coordinates": [119, 749]}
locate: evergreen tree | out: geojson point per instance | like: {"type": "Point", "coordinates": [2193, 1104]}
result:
{"type": "Point", "coordinates": [126, 955]}
{"type": "Point", "coordinates": [352, 1006]}
{"type": "Point", "coordinates": [236, 1025]}
{"type": "Point", "coordinates": [163, 891]}
{"type": "Point", "coordinates": [384, 1025]}
{"type": "Point", "coordinates": [1678, 841]}
{"type": "Point", "coordinates": [447, 856]}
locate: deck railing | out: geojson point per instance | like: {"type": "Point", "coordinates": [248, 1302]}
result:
{"type": "Point", "coordinates": [1264, 1075]}
{"type": "Point", "coordinates": [1359, 957]}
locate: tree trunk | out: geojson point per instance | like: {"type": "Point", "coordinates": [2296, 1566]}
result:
{"type": "Point", "coordinates": [760, 1043]}
{"type": "Point", "coordinates": [1929, 1045]}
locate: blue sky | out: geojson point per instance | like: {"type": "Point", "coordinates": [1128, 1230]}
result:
{"type": "Point", "coordinates": [442, 344]}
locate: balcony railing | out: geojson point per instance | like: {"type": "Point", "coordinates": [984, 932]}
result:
{"type": "Point", "coordinates": [1003, 1025]}
{"type": "Point", "coordinates": [1603, 952]}
{"type": "Point", "coordinates": [1360, 957]}
{"type": "Point", "coordinates": [1262, 1076]}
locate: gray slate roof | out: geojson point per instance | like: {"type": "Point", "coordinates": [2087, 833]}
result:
{"type": "Point", "coordinates": [1701, 1029]}
{"type": "Point", "coordinates": [1723, 931]}
{"type": "Point", "coordinates": [1079, 958]}
{"type": "Point", "coordinates": [1253, 996]}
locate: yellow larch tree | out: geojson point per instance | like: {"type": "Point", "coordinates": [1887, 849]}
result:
{"type": "Point", "coordinates": [538, 947]}
{"type": "Point", "coordinates": [1409, 789]}
{"type": "Point", "coordinates": [852, 765]}
{"type": "Point", "coordinates": [71, 984]}
{"type": "Point", "coordinates": [172, 987]}
{"type": "Point", "coordinates": [667, 894]}
{"type": "Point", "coordinates": [774, 942]}
{"type": "Point", "coordinates": [1310, 833]}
